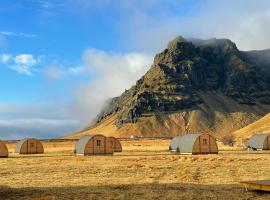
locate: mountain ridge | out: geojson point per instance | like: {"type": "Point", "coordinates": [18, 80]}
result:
{"type": "Point", "coordinates": [184, 78]}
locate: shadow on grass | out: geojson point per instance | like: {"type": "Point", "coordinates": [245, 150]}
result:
{"type": "Point", "coordinates": [137, 191]}
{"type": "Point", "coordinates": [40, 156]}
{"type": "Point", "coordinates": [126, 153]}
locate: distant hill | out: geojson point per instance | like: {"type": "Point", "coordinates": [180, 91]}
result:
{"type": "Point", "coordinates": [193, 86]}
{"type": "Point", "coordinates": [260, 126]}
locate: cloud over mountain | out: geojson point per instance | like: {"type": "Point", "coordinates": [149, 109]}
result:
{"type": "Point", "coordinates": [111, 73]}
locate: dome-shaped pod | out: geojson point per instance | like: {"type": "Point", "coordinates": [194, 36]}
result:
{"type": "Point", "coordinates": [93, 145]}
{"type": "Point", "coordinates": [259, 141]}
{"type": "Point", "coordinates": [29, 146]}
{"type": "Point", "coordinates": [3, 150]}
{"type": "Point", "coordinates": [197, 144]}
{"type": "Point", "coordinates": [174, 142]}
{"type": "Point", "coordinates": [117, 147]}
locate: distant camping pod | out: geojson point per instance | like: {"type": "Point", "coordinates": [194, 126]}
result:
{"type": "Point", "coordinates": [116, 145]}
{"type": "Point", "coordinates": [194, 144]}
{"type": "Point", "coordinates": [259, 142]}
{"type": "Point", "coordinates": [3, 150]}
{"type": "Point", "coordinates": [93, 145]}
{"type": "Point", "coordinates": [175, 142]}
{"type": "Point", "coordinates": [29, 146]}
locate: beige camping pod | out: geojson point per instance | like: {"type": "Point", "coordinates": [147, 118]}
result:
{"type": "Point", "coordinates": [93, 145]}
{"type": "Point", "coordinates": [29, 146]}
{"type": "Point", "coordinates": [3, 150]}
{"type": "Point", "coordinates": [117, 147]}
{"type": "Point", "coordinates": [197, 144]}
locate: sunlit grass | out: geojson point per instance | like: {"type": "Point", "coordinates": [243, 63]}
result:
{"type": "Point", "coordinates": [144, 170]}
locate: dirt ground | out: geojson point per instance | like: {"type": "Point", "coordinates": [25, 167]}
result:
{"type": "Point", "coordinates": [144, 170]}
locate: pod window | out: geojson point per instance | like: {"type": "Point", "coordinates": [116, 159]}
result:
{"type": "Point", "coordinates": [204, 141]}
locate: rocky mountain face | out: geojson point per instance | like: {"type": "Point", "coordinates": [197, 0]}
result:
{"type": "Point", "coordinates": [194, 85]}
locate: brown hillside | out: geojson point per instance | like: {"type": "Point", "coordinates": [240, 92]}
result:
{"type": "Point", "coordinates": [260, 126]}
{"type": "Point", "coordinates": [219, 115]}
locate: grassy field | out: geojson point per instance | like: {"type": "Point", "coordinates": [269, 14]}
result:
{"type": "Point", "coordinates": [144, 170]}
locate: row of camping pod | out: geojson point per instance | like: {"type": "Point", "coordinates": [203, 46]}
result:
{"type": "Point", "coordinates": [206, 143]}
{"type": "Point", "coordinates": [25, 146]}
{"type": "Point", "coordinates": [99, 144]}
{"type": "Point", "coordinates": [87, 145]}
{"type": "Point", "coordinates": [194, 144]}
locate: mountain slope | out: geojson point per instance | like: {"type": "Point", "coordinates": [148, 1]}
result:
{"type": "Point", "coordinates": [192, 86]}
{"type": "Point", "coordinates": [260, 126]}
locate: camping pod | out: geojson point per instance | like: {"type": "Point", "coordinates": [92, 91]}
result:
{"type": "Point", "coordinates": [116, 145]}
{"type": "Point", "coordinates": [3, 150]}
{"type": "Point", "coordinates": [29, 146]}
{"type": "Point", "coordinates": [195, 144]}
{"type": "Point", "coordinates": [174, 142]}
{"type": "Point", "coordinates": [259, 142]}
{"type": "Point", "coordinates": [93, 145]}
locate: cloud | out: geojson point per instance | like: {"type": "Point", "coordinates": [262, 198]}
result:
{"type": "Point", "coordinates": [36, 120]}
{"type": "Point", "coordinates": [100, 76]}
{"type": "Point", "coordinates": [54, 72]}
{"type": "Point", "coordinates": [243, 21]}
{"type": "Point", "coordinates": [5, 58]}
{"type": "Point", "coordinates": [9, 33]}
{"type": "Point", "coordinates": [25, 59]}
{"type": "Point", "coordinates": [111, 74]}
{"type": "Point", "coordinates": [36, 110]}
{"type": "Point", "coordinates": [43, 128]}
{"type": "Point", "coordinates": [22, 63]}
{"type": "Point", "coordinates": [58, 71]}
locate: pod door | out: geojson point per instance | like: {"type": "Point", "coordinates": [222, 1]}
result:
{"type": "Point", "coordinates": [32, 146]}
{"type": "Point", "coordinates": [204, 143]}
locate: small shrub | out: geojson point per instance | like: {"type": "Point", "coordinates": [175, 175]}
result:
{"type": "Point", "coordinates": [228, 140]}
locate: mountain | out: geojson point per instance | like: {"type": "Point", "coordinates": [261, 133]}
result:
{"type": "Point", "coordinates": [260, 126]}
{"type": "Point", "coordinates": [193, 85]}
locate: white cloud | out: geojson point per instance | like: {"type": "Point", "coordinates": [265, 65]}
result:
{"type": "Point", "coordinates": [25, 59]}
{"type": "Point", "coordinates": [243, 21]}
{"type": "Point", "coordinates": [54, 72]}
{"type": "Point", "coordinates": [58, 71]}
{"type": "Point", "coordinates": [77, 70]}
{"type": "Point", "coordinates": [9, 33]}
{"type": "Point", "coordinates": [111, 74]}
{"type": "Point", "coordinates": [37, 120]}
{"type": "Point", "coordinates": [5, 58]}
{"type": "Point", "coordinates": [36, 110]}
{"type": "Point", "coordinates": [36, 127]}
{"type": "Point", "coordinates": [24, 63]}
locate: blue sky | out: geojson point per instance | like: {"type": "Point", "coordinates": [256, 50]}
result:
{"type": "Point", "coordinates": [60, 60]}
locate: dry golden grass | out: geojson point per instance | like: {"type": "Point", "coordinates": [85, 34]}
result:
{"type": "Point", "coordinates": [144, 170]}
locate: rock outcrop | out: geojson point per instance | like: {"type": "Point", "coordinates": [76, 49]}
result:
{"type": "Point", "coordinates": [194, 85]}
